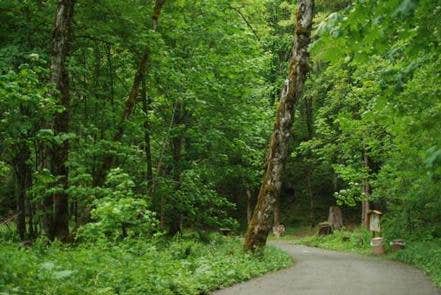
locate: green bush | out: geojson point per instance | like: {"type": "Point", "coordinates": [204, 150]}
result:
{"type": "Point", "coordinates": [119, 212]}
{"type": "Point", "coordinates": [134, 266]}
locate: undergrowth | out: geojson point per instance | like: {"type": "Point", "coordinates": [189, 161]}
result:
{"type": "Point", "coordinates": [178, 266]}
{"type": "Point", "coordinates": [342, 240]}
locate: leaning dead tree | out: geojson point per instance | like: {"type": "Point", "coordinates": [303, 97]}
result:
{"type": "Point", "coordinates": [262, 219]}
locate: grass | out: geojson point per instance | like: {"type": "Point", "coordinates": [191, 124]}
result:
{"type": "Point", "coordinates": [179, 266]}
{"type": "Point", "coordinates": [294, 233]}
{"type": "Point", "coordinates": [350, 241]}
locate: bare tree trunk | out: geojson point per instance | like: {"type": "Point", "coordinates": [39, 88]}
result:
{"type": "Point", "coordinates": [46, 205]}
{"type": "Point", "coordinates": [147, 145]}
{"type": "Point", "coordinates": [23, 172]}
{"type": "Point", "coordinates": [60, 77]}
{"type": "Point", "coordinates": [365, 213]}
{"type": "Point", "coordinates": [31, 225]}
{"type": "Point", "coordinates": [111, 76]}
{"type": "Point", "coordinates": [335, 182]}
{"type": "Point", "coordinates": [309, 168]}
{"type": "Point", "coordinates": [310, 195]}
{"type": "Point", "coordinates": [261, 222]}
{"type": "Point", "coordinates": [365, 206]}
{"type": "Point", "coordinates": [107, 161]}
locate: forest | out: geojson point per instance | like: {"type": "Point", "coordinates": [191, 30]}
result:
{"type": "Point", "coordinates": [161, 146]}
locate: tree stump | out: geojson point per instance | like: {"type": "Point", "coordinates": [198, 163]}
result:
{"type": "Point", "coordinates": [377, 246]}
{"type": "Point", "coordinates": [324, 229]}
{"type": "Point", "coordinates": [397, 245]}
{"type": "Point", "coordinates": [335, 218]}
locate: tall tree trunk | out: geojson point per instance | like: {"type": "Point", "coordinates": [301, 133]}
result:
{"type": "Point", "coordinates": [46, 205]}
{"type": "Point", "coordinates": [310, 195]}
{"type": "Point", "coordinates": [31, 226]}
{"type": "Point", "coordinates": [156, 13]}
{"type": "Point", "coordinates": [309, 168]}
{"type": "Point", "coordinates": [365, 206]}
{"type": "Point", "coordinates": [111, 76]}
{"type": "Point", "coordinates": [60, 77]}
{"type": "Point", "coordinates": [108, 159]}
{"type": "Point", "coordinates": [147, 145]}
{"type": "Point", "coordinates": [23, 174]}
{"type": "Point", "coordinates": [261, 221]}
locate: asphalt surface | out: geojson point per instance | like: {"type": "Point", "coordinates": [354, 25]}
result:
{"type": "Point", "coordinates": [323, 272]}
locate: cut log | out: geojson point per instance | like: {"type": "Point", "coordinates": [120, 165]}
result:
{"type": "Point", "coordinates": [397, 245]}
{"type": "Point", "coordinates": [335, 218]}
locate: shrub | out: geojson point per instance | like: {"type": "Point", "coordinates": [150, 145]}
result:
{"type": "Point", "coordinates": [133, 266]}
{"type": "Point", "coordinates": [119, 213]}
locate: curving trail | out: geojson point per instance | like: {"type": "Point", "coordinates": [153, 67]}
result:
{"type": "Point", "coordinates": [324, 272]}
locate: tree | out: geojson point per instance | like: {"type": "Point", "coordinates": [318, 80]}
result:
{"type": "Point", "coordinates": [261, 221]}
{"type": "Point", "coordinates": [130, 103]}
{"type": "Point", "coordinates": [22, 94]}
{"type": "Point", "coordinates": [60, 153]}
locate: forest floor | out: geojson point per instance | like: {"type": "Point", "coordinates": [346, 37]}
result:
{"type": "Point", "coordinates": [181, 265]}
{"type": "Point", "coordinates": [319, 271]}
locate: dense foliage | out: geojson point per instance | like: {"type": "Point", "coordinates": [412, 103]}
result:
{"type": "Point", "coordinates": [170, 109]}
{"type": "Point", "coordinates": [181, 266]}
{"type": "Point", "coordinates": [378, 116]}
{"type": "Point", "coordinates": [368, 129]}
{"type": "Point", "coordinates": [192, 144]}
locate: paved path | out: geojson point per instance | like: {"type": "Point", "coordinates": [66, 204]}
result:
{"type": "Point", "coordinates": [323, 272]}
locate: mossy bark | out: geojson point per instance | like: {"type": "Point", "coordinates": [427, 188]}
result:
{"type": "Point", "coordinates": [262, 219]}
